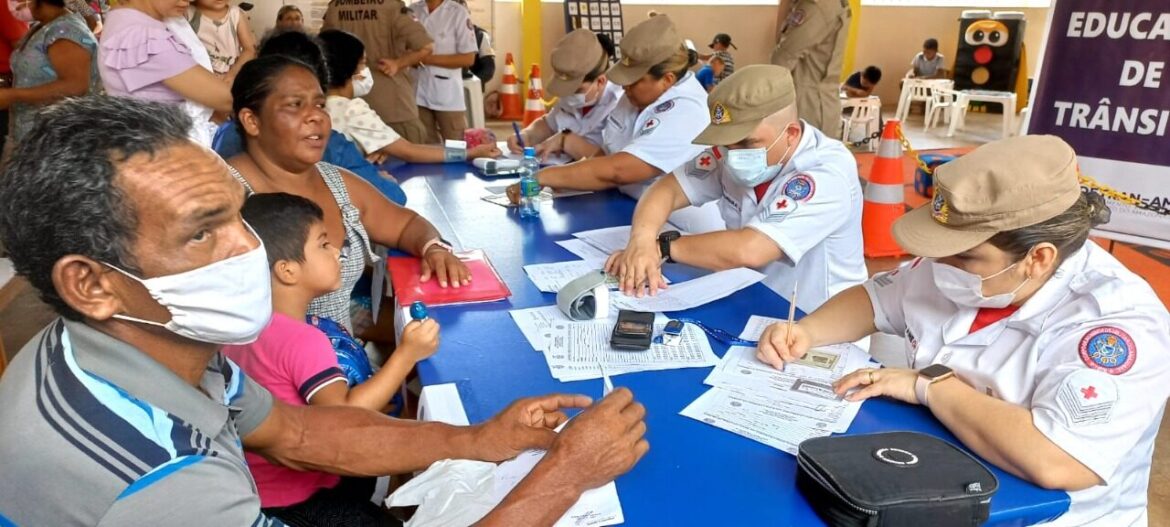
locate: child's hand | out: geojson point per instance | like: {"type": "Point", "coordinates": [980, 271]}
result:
{"type": "Point", "coordinates": [420, 339]}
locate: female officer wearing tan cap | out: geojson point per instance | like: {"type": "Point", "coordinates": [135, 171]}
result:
{"type": "Point", "coordinates": [1037, 348]}
{"type": "Point", "coordinates": [585, 97]}
{"type": "Point", "coordinates": [650, 131]}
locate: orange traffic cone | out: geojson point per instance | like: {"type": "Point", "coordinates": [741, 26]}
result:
{"type": "Point", "coordinates": [884, 197]}
{"type": "Point", "coordinates": [534, 106]}
{"type": "Point", "coordinates": [511, 104]}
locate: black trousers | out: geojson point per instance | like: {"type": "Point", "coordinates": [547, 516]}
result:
{"type": "Point", "coordinates": [346, 505]}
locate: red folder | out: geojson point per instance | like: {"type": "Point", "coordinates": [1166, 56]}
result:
{"type": "Point", "coordinates": [486, 285]}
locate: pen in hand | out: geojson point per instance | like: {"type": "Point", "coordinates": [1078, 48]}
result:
{"type": "Point", "coordinates": [791, 317]}
{"type": "Point", "coordinates": [519, 138]}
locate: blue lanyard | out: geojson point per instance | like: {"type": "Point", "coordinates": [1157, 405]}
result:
{"type": "Point", "coordinates": [719, 334]}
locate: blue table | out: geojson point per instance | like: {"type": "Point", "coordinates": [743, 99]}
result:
{"type": "Point", "coordinates": [694, 474]}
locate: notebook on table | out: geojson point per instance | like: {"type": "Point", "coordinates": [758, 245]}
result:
{"type": "Point", "coordinates": [485, 286]}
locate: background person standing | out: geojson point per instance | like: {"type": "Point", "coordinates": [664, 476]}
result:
{"type": "Point", "coordinates": [439, 86]}
{"type": "Point", "coordinates": [395, 44]}
{"type": "Point", "coordinates": [811, 45]}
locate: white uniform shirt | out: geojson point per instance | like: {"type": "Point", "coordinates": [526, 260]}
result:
{"type": "Point", "coordinates": [441, 89]}
{"type": "Point", "coordinates": [812, 210]}
{"type": "Point", "coordinates": [359, 123]}
{"type": "Point", "coordinates": [661, 135]}
{"type": "Point", "coordinates": [1088, 354]}
{"type": "Point", "coordinates": [590, 125]}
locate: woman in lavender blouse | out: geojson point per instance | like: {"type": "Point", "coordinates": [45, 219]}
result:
{"type": "Point", "coordinates": [140, 56]}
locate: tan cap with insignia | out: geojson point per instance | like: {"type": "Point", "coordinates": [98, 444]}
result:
{"type": "Point", "coordinates": [741, 101]}
{"type": "Point", "coordinates": [576, 56]}
{"type": "Point", "coordinates": [1000, 186]}
{"type": "Point", "coordinates": [646, 45]}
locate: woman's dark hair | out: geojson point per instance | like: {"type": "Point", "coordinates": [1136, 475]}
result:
{"type": "Point", "coordinates": [300, 46]}
{"type": "Point", "coordinates": [603, 66]}
{"type": "Point", "coordinates": [1067, 231]}
{"type": "Point", "coordinates": [255, 82]}
{"type": "Point", "coordinates": [343, 52]}
{"type": "Point", "coordinates": [679, 63]}
{"type": "Point", "coordinates": [54, 3]}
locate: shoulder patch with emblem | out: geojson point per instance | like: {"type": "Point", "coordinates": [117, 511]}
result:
{"type": "Point", "coordinates": [1108, 349]}
{"type": "Point", "coordinates": [702, 165]}
{"type": "Point", "coordinates": [779, 209]}
{"type": "Point", "coordinates": [664, 107]}
{"type": "Point", "coordinates": [800, 187]}
{"type": "Point", "coordinates": [649, 126]}
{"type": "Point", "coordinates": [1087, 397]}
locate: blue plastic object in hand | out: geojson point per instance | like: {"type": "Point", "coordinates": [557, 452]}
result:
{"type": "Point", "coordinates": [418, 310]}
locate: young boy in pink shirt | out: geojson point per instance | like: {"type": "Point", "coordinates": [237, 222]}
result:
{"type": "Point", "coordinates": [297, 363]}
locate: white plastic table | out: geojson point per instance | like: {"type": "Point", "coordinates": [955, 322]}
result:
{"type": "Point", "coordinates": [965, 97]}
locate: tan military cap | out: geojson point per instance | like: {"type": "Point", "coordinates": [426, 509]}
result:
{"type": "Point", "coordinates": [576, 55]}
{"type": "Point", "coordinates": [1000, 186]}
{"type": "Point", "coordinates": [741, 101]}
{"type": "Point", "coordinates": [645, 45]}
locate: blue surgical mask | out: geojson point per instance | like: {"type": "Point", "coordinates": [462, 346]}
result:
{"type": "Point", "coordinates": [749, 166]}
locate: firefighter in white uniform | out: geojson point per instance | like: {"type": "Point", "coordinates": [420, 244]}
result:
{"type": "Point", "coordinates": [439, 82]}
{"type": "Point", "coordinates": [788, 194]}
{"type": "Point", "coordinates": [585, 98]}
{"type": "Point", "coordinates": [1035, 347]}
{"type": "Point", "coordinates": [650, 131]}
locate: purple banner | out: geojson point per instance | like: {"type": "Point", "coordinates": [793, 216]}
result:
{"type": "Point", "coordinates": [1105, 83]}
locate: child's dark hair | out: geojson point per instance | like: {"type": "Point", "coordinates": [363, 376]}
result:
{"type": "Point", "coordinates": [343, 52]}
{"type": "Point", "coordinates": [282, 222]}
{"type": "Point", "coordinates": [930, 43]}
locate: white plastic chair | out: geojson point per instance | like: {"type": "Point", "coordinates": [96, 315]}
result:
{"type": "Point", "coordinates": [942, 101]}
{"type": "Point", "coordinates": [863, 112]}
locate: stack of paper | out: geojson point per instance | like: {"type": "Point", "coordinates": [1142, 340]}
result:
{"type": "Point", "coordinates": [596, 507]}
{"type": "Point", "coordinates": [582, 250]}
{"type": "Point", "coordinates": [779, 408]}
{"type": "Point", "coordinates": [612, 239]}
{"type": "Point", "coordinates": [551, 277]}
{"type": "Point", "coordinates": [580, 350]}
{"type": "Point", "coordinates": [692, 293]}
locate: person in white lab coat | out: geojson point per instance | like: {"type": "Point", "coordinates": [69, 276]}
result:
{"type": "Point", "coordinates": [585, 98]}
{"type": "Point", "coordinates": [788, 195]}
{"type": "Point", "coordinates": [650, 131]}
{"type": "Point", "coordinates": [1036, 348]}
{"type": "Point", "coordinates": [439, 82]}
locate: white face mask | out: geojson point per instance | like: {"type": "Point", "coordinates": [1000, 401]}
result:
{"type": "Point", "coordinates": [578, 101]}
{"type": "Point", "coordinates": [363, 82]}
{"type": "Point", "coordinates": [227, 302]}
{"type": "Point", "coordinates": [966, 289]}
{"type": "Point", "coordinates": [21, 10]}
{"type": "Point", "coordinates": [749, 166]}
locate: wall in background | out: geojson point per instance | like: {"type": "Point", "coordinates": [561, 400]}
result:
{"type": "Point", "coordinates": [889, 36]}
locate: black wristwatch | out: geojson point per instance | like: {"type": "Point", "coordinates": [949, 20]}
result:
{"type": "Point", "coordinates": [664, 240]}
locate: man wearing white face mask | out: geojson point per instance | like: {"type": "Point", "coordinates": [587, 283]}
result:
{"type": "Point", "coordinates": [128, 395]}
{"type": "Point", "coordinates": [788, 194]}
{"type": "Point", "coordinates": [350, 80]}
{"type": "Point", "coordinates": [1034, 346]}
{"type": "Point", "coordinates": [585, 98]}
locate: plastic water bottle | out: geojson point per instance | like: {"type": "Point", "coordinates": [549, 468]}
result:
{"type": "Point", "coordinates": [529, 188]}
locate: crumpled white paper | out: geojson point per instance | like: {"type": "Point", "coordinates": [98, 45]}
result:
{"type": "Point", "coordinates": [450, 493]}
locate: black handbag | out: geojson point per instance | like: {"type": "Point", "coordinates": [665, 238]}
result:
{"type": "Point", "coordinates": [893, 479]}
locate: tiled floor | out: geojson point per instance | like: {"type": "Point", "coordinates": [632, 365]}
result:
{"type": "Point", "coordinates": [22, 314]}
